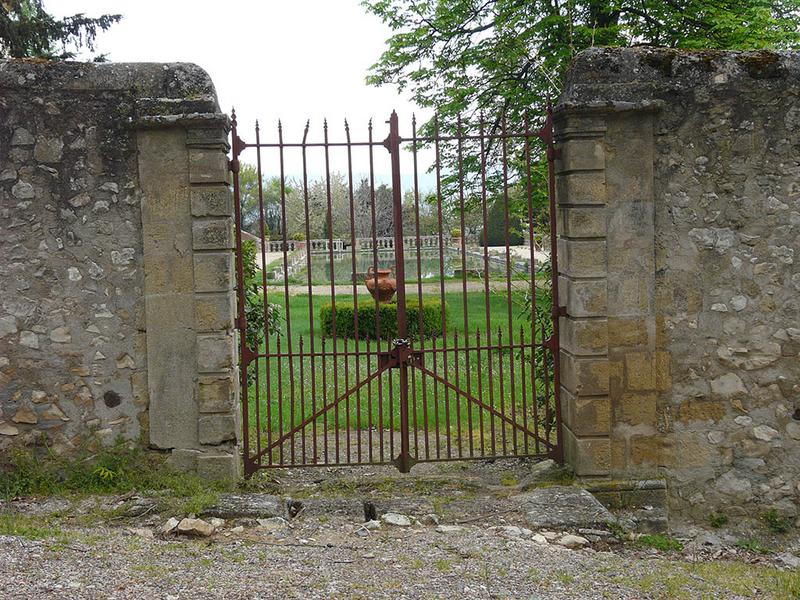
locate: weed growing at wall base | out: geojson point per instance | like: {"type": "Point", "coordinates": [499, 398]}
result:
{"type": "Point", "coordinates": [116, 469]}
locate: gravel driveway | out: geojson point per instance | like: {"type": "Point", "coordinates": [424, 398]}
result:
{"type": "Point", "coordinates": [324, 557]}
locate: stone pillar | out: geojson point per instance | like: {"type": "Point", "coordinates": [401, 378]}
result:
{"type": "Point", "coordinates": [187, 218]}
{"type": "Point", "coordinates": [610, 367]}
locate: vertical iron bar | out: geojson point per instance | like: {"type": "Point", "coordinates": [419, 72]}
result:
{"type": "Point", "coordinates": [280, 397]}
{"type": "Point", "coordinates": [523, 385]}
{"type": "Point", "coordinates": [377, 305]}
{"type": "Point", "coordinates": [369, 404]}
{"type": "Point", "coordinates": [355, 291]}
{"type": "Point", "coordinates": [487, 307]}
{"type": "Point", "coordinates": [441, 281]}
{"type": "Point", "coordinates": [467, 369]}
{"type": "Point", "coordinates": [501, 391]}
{"type": "Point", "coordinates": [492, 417]}
{"type": "Point", "coordinates": [480, 387]}
{"type": "Point", "coordinates": [312, 361]}
{"type": "Point", "coordinates": [259, 174]}
{"type": "Point", "coordinates": [236, 148]}
{"type": "Point", "coordinates": [534, 308]}
{"type": "Point", "coordinates": [302, 400]}
{"type": "Point", "coordinates": [548, 414]}
{"type": "Point", "coordinates": [435, 355]}
{"type": "Point", "coordinates": [420, 329]}
{"type": "Point", "coordinates": [393, 145]}
{"type": "Point", "coordinates": [289, 346]}
{"type": "Point", "coordinates": [329, 218]}
{"type": "Point", "coordinates": [558, 454]}
{"type": "Point", "coordinates": [257, 407]}
{"type": "Point", "coordinates": [324, 358]}
{"type": "Point", "coordinates": [457, 395]}
{"type": "Point", "coordinates": [507, 225]}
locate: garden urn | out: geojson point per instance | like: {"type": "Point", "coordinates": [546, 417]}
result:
{"type": "Point", "coordinates": [381, 287]}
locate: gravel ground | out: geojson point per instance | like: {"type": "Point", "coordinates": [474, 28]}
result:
{"type": "Point", "coordinates": [323, 557]}
{"type": "Point", "coordinates": [92, 547]}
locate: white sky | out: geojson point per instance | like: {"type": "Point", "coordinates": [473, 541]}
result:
{"type": "Point", "coordinates": [271, 59]}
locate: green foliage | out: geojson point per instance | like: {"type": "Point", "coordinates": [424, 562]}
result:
{"type": "Point", "coordinates": [661, 542]}
{"type": "Point", "coordinates": [250, 204]}
{"type": "Point", "coordinates": [27, 30]}
{"type": "Point", "coordinates": [775, 521]}
{"type": "Point", "coordinates": [495, 232]}
{"type": "Point", "coordinates": [511, 55]}
{"type": "Point", "coordinates": [27, 526]}
{"type": "Point", "coordinates": [256, 316]}
{"type": "Point", "coordinates": [717, 520]}
{"type": "Point", "coordinates": [753, 546]}
{"type": "Point", "coordinates": [456, 233]}
{"type": "Point", "coordinates": [116, 469]}
{"type": "Point", "coordinates": [431, 313]}
{"type": "Point", "coordinates": [506, 58]}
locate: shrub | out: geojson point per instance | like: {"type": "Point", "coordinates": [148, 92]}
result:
{"type": "Point", "coordinates": [254, 300]}
{"type": "Point", "coordinates": [299, 236]}
{"type": "Point", "coordinates": [456, 233]}
{"type": "Point", "coordinates": [431, 311]}
{"type": "Point", "coordinates": [495, 232]}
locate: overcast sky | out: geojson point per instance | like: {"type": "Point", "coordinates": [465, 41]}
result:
{"type": "Point", "coordinates": [271, 59]}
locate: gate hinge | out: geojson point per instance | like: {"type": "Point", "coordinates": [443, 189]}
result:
{"type": "Point", "coordinates": [559, 311]}
{"type": "Point", "coordinates": [248, 356]}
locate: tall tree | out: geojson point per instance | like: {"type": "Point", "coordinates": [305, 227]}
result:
{"type": "Point", "coordinates": [271, 190]}
{"type": "Point", "coordinates": [27, 30]}
{"type": "Point", "coordinates": [506, 57]}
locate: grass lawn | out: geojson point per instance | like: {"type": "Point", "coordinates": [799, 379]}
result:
{"type": "Point", "coordinates": [284, 390]}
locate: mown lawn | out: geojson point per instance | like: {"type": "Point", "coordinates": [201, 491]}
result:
{"type": "Point", "coordinates": [287, 389]}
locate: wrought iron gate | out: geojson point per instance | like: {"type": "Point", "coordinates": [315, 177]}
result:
{"type": "Point", "coordinates": [464, 363]}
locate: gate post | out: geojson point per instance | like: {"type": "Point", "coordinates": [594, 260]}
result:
{"type": "Point", "coordinates": [401, 345]}
{"type": "Point", "coordinates": [606, 249]}
{"type": "Point", "coordinates": [187, 223]}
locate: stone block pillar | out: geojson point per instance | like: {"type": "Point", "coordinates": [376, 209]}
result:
{"type": "Point", "coordinates": [611, 370]}
{"type": "Point", "coordinates": [190, 313]}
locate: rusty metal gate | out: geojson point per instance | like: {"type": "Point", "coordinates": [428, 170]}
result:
{"type": "Point", "coordinates": [463, 362]}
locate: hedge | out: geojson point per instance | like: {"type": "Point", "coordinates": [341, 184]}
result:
{"type": "Point", "coordinates": [345, 319]}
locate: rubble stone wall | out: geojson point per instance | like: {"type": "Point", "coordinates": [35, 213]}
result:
{"type": "Point", "coordinates": [116, 310]}
{"type": "Point", "coordinates": [679, 195]}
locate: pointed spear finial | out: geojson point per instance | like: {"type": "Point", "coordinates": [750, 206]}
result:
{"type": "Point", "coordinates": [305, 131]}
{"type": "Point", "coordinates": [233, 116]}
